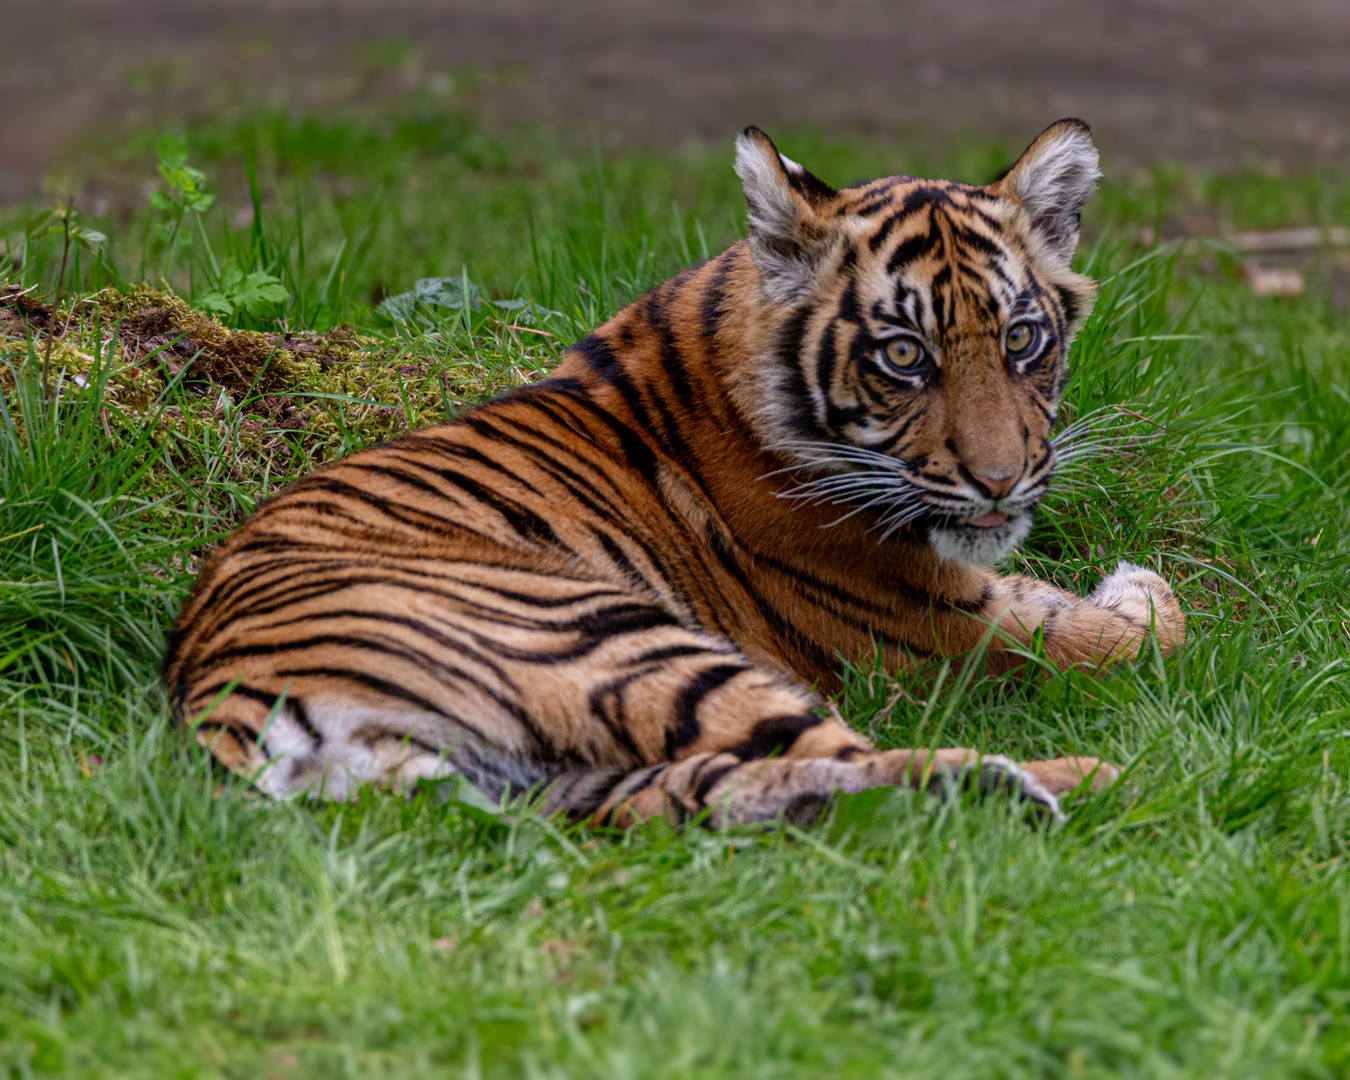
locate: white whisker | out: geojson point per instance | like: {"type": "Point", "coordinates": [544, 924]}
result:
{"type": "Point", "coordinates": [1111, 429]}
{"type": "Point", "coordinates": [860, 478]}
{"type": "Point", "coordinates": [893, 523]}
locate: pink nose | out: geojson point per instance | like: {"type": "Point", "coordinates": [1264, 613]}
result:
{"type": "Point", "coordinates": [998, 488]}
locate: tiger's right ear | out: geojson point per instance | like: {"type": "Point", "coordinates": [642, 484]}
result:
{"type": "Point", "coordinates": [1052, 180]}
{"type": "Point", "coordinates": [788, 235]}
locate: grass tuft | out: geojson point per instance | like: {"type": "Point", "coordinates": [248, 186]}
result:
{"type": "Point", "coordinates": [164, 920]}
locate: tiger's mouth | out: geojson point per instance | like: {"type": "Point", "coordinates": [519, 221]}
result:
{"type": "Point", "coordinates": [983, 540]}
{"type": "Point", "coordinates": [960, 527]}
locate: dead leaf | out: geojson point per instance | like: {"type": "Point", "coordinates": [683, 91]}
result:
{"type": "Point", "coordinates": [1274, 280]}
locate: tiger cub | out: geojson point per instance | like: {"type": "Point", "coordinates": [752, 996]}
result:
{"type": "Point", "coordinates": [628, 585]}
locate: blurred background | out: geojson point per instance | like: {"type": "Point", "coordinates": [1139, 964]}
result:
{"type": "Point", "coordinates": [346, 149]}
{"type": "Point", "coordinates": [1212, 84]}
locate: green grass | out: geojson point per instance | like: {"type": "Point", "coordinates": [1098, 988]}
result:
{"type": "Point", "coordinates": [161, 920]}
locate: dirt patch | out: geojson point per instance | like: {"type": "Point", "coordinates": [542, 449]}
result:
{"type": "Point", "coordinates": [1194, 80]}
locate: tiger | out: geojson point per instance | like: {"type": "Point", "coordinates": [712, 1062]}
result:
{"type": "Point", "coordinates": [627, 590]}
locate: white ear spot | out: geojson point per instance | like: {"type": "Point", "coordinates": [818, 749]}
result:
{"type": "Point", "coordinates": [1053, 179]}
{"type": "Point", "coordinates": [785, 235]}
{"type": "Point", "coordinates": [768, 191]}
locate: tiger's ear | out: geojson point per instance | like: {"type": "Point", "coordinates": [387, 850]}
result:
{"type": "Point", "coordinates": [1052, 180]}
{"type": "Point", "coordinates": [788, 232]}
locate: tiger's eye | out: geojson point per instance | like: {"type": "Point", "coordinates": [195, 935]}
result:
{"type": "Point", "coordinates": [1020, 337]}
{"type": "Point", "coordinates": [903, 352]}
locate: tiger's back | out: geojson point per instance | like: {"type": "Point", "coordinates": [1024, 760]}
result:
{"type": "Point", "coordinates": [597, 582]}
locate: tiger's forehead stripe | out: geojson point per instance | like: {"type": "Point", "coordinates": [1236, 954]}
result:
{"type": "Point", "coordinates": [934, 229]}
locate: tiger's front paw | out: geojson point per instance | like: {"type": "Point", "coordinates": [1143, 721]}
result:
{"type": "Point", "coordinates": [1144, 598]}
{"type": "Point", "coordinates": [1040, 784]}
{"type": "Point", "coordinates": [1061, 775]}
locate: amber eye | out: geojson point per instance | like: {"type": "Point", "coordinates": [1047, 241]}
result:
{"type": "Point", "coordinates": [1021, 337]}
{"type": "Point", "coordinates": [903, 352]}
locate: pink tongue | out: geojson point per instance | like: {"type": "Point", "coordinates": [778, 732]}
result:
{"type": "Point", "coordinates": [998, 517]}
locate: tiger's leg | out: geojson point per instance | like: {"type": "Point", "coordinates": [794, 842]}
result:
{"type": "Point", "coordinates": [735, 791]}
{"type": "Point", "coordinates": [1112, 623]}
{"type": "Point", "coordinates": [769, 764]}
{"type": "Point", "coordinates": [516, 679]}
{"type": "Point", "coordinates": [753, 748]}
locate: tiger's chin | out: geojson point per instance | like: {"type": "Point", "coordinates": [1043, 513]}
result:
{"type": "Point", "coordinates": [963, 542]}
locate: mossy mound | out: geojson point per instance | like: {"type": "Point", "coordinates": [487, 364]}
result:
{"type": "Point", "coordinates": [160, 326]}
{"type": "Point", "coordinates": [247, 401]}
{"type": "Point", "coordinates": [151, 337]}
{"type": "Point", "coordinates": [157, 334]}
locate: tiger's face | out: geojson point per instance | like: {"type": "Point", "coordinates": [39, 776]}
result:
{"type": "Point", "coordinates": [920, 333]}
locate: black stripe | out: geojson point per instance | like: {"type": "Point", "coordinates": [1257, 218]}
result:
{"type": "Point", "coordinates": [636, 452]}
{"type": "Point", "coordinates": [662, 653]}
{"type": "Point", "coordinates": [384, 645]}
{"type": "Point", "coordinates": [776, 734]}
{"type": "Point", "coordinates": [710, 305]}
{"type": "Point", "coordinates": [604, 362]}
{"type": "Point", "coordinates": [1068, 300]}
{"type": "Point", "coordinates": [605, 703]}
{"type": "Point", "coordinates": [671, 359]}
{"type": "Point", "coordinates": [975, 241]}
{"type": "Point", "coordinates": [466, 452]}
{"type": "Point", "coordinates": [887, 445]}
{"type": "Point", "coordinates": [884, 230]}
{"type": "Point", "coordinates": [240, 733]}
{"type": "Point", "coordinates": [708, 778]}
{"type": "Point", "coordinates": [792, 380]}
{"type": "Point", "coordinates": [380, 686]}
{"type": "Point", "coordinates": [381, 643]}
{"type": "Point", "coordinates": [684, 728]}
{"type": "Point", "coordinates": [943, 314]}
{"type": "Point", "coordinates": [869, 207]}
{"type": "Point", "coordinates": [584, 489]}
{"type": "Point", "coordinates": [617, 556]}
{"type": "Point", "coordinates": [413, 517]}
{"type": "Point", "coordinates": [913, 247]}
{"type": "Point", "coordinates": [809, 654]}
{"type": "Point", "coordinates": [523, 521]}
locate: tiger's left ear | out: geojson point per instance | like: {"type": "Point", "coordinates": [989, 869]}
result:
{"type": "Point", "coordinates": [1052, 180]}
{"type": "Point", "coordinates": [789, 233]}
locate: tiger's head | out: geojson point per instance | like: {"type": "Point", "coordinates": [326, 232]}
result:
{"type": "Point", "coordinates": [919, 332]}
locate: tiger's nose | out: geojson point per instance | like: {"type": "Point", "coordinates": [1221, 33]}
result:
{"type": "Point", "coordinates": [998, 486]}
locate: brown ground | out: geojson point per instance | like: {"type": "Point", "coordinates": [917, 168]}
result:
{"type": "Point", "coordinates": [1208, 81]}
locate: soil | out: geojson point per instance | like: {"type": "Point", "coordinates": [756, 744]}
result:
{"type": "Point", "coordinates": [1210, 82]}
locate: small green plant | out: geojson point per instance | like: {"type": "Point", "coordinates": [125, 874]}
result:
{"type": "Point", "coordinates": [187, 194]}
{"type": "Point", "coordinates": [455, 294]}
{"type": "Point", "coordinates": [233, 290]}
{"type": "Point", "coordinates": [239, 292]}
{"type": "Point", "coordinates": [64, 220]}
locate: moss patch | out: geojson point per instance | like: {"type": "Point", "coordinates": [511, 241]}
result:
{"type": "Point", "coordinates": [254, 403]}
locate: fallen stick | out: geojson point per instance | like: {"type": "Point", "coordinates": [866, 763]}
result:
{"type": "Point", "coordinates": [1291, 239]}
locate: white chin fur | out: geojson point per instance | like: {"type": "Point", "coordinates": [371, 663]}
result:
{"type": "Point", "coordinates": [984, 546]}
